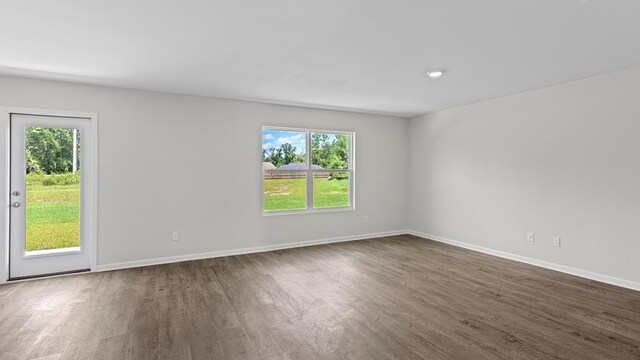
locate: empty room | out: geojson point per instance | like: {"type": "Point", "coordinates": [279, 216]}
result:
{"type": "Point", "coordinates": [414, 179]}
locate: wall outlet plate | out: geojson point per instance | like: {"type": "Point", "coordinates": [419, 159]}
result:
{"type": "Point", "coordinates": [556, 241]}
{"type": "Point", "coordinates": [531, 237]}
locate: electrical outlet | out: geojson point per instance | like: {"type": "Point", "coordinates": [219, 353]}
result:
{"type": "Point", "coordinates": [531, 237]}
{"type": "Point", "coordinates": [175, 236]}
{"type": "Point", "coordinates": [556, 241]}
{"type": "Point", "coordinates": [366, 219]}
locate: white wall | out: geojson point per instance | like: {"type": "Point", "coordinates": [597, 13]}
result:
{"type": "Point", "coordinates": [192, 164]}
{"type": "Point", "coordinates": [561, 161]}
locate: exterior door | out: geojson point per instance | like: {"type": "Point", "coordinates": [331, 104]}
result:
{"type": "Point", "coordinates": [50, 195]}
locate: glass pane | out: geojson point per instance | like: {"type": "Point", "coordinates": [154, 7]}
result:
{"type": "Point", "coordinates": [285, 191]}
{"type": "Point", "coordinates": [329, 151]}
{"type": "Point", "coordinates": [331, 190]}
{"type": "Point", "coordinates": [52, 188]}
{"type": "Point", "coordinates": [284, 150]}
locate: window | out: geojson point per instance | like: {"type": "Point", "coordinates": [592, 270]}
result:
{"type": "Point", "coordinates": [306, 170]}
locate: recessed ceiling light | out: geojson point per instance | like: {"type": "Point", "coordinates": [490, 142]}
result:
{"type": "Point", "coordinates": [434, 74]}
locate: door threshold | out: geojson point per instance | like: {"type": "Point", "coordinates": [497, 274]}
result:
{"type": "Point", "coordinates": [57, 274]}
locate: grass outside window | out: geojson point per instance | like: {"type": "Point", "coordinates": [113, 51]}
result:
{"type": "Point", "coordinates": [53, 216]}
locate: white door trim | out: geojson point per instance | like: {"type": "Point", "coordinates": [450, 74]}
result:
{"type": "Point", "coordinates": [5, 162]}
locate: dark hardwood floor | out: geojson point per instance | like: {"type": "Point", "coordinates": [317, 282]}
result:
{"type": "Point", "coordinates": [389, 298]}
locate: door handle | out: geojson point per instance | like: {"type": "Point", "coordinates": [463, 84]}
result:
{"type": "Point", "coordinates": [15, 205]}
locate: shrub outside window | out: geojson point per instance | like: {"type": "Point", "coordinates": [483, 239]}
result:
{"type": "Point", "coordinates": [306, 171]}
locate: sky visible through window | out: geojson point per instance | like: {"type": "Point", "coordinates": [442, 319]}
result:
{"type": "Point", "coordinates": [276, 138]}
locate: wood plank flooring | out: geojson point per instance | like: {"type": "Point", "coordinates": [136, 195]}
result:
{"type": "Point", "coordinates": [390, 298]}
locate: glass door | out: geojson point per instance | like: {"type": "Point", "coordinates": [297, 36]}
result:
{"type": "Point", "coordinates": [48, 202]}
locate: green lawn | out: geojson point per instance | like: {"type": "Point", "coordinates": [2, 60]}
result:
{"type": "Point", "coordinates": [53, 216]}
{"type": "Point", "coordinates": [290, 194]}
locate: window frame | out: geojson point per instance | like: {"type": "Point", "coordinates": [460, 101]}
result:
{"type": "Point", "coordinates": [310, 172]}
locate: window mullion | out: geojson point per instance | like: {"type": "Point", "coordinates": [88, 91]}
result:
{"type": "Point", "coordinates": [309, 173]}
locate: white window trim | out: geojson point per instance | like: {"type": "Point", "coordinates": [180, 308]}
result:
{"type": "Point", "coordinates": [351, 164]}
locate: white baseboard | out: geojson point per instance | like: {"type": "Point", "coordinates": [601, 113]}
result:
{"type": "Point", "coordinates": [527, 260]}
{"type": "Point", "coordinates": [250, 250]}
{"type": "Point", "coordinates": [531, 261]}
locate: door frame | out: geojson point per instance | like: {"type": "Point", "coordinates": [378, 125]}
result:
{"type": "Point", "coordinates": [5, 182]}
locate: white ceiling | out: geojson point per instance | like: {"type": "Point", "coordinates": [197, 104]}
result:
{"type": "Point", "coordinates": [367, 55]}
